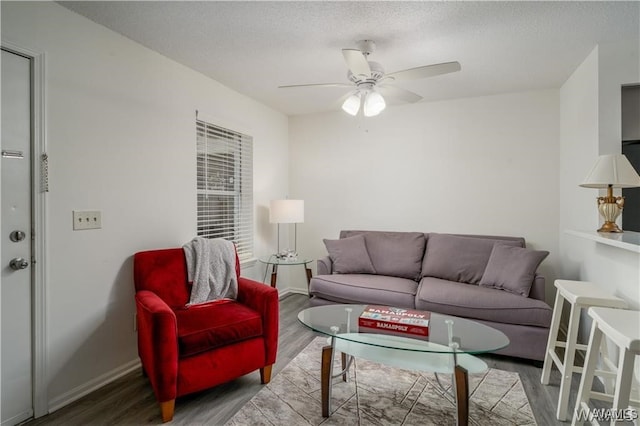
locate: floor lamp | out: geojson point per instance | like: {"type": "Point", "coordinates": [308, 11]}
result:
{"type": "Point", "coordinates": [287, 211]}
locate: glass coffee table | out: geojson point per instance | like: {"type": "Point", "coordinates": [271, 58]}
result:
{"type": "Point", "coordinates": [449, 349]}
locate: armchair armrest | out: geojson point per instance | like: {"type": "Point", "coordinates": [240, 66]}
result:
{"type": "Point", "coordinates": [538, 288]}
{"type": "Point", "coordinates": [158, 343]}
{"type": "Point", "coordinates": [264, 300]}
{"type": "Point", "coordinates": [324, 266]}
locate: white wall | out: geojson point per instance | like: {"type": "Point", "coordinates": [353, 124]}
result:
{"type": "Point", "coordinates": [486, 165]}
{"type": "Point", "coordinates": [590, 105]}
{"type": "Point", "coordinates": [121, 139]}
{"type": "Point", "coordinates": [591, 125]}
{"type": "Point", "coordinates": [578, 150]}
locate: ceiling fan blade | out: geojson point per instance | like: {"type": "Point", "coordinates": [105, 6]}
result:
{"type": "Point", "coordinates": [426, 71]}
{"type": "Point", "coordinates": [317, 85]}
{"type": "Point", "coordinates": [357, 62]}
{"type": "Point", "coordinates": [399, 93]}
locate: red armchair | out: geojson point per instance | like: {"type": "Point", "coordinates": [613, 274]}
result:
{"type": "Point", "coordinates": [188, 349]}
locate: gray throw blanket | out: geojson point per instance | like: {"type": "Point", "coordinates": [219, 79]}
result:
{"type": "Point", "coordinates": [211, 266]}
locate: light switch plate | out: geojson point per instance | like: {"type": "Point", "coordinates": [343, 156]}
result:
{"type": "Point", "coordinates": [87, 219]}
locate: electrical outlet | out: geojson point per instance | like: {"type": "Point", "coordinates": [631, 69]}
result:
{"type": "Point", "coordinates": [87, 219]}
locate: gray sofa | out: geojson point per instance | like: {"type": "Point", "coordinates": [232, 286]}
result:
{"type": "Point", "coordinates": [489, 279]}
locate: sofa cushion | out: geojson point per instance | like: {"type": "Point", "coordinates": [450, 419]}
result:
{"type": "Point", "coordinates": [512, 268]}
{"type": "Point", "coordinates": [475, 302]}
{"type": "Point", "coordinates": [207, 326]}
{"type": "Point", "coordinates": [458, 258]}
{"type": "Point", "coordinates": [395, 254]}
{"type": "Point", "coordinates": [361, 288]}
{"type": "Point", "coordinates": [349, 255]}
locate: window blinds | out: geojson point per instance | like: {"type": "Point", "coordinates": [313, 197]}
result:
{"type": "Point", "coordinates": [225, 186]}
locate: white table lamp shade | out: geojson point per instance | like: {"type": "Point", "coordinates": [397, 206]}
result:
{"type": "Point", "coordinates": [614, 170]}
{"type": "Point", "coordinates": [286, 211]}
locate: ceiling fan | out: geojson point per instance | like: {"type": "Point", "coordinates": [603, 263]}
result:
{"type": "Point", "coordinates": [371, 82]}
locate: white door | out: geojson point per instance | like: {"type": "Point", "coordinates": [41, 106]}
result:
{"type": "Point", "coordinates": [16, 284]}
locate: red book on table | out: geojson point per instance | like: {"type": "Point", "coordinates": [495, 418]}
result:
{"type": "Point", "coordinates": [410, 322]}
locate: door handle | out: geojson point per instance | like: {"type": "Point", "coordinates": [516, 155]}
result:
{"type": "Point", "coordinates": [18, 263]}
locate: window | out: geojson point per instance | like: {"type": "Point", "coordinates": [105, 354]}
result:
{"type": "Point", "coordinates": [225, 186]}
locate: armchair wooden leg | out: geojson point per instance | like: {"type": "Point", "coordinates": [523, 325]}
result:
{"type": "Point", "coordinates": [167, 408]}
{"type": "Point", "coordinates": [265, 374]}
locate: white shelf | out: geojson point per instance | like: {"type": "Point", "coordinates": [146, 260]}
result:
{"type": "Point", "coordinates": [627, 240]}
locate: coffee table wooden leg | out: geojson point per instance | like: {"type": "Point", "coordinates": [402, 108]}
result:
{"type": "Point", "coordinates": [308, 271]}
{"type": "Point", "coordinates": [325, 380]}
{"type": "Point", "coordinates": [274, 275]}
{"type": "Point", "coordinates": [461, 382]}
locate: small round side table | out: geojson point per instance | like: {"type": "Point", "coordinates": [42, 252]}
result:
{"type": "Point", "coordinates": [275, 262]}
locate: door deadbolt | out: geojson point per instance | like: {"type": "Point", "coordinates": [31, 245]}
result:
{"type": "Point", "coordinates": [18, 263]}
{"type": "Point", "coordinates": [16, 236]}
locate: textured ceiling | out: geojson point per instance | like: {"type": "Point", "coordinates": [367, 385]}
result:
{"type": "Point", "coordinates": [253, 47]}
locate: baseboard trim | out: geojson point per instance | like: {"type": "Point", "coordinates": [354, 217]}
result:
{"type": "Point", "coordinates": [92, 385]}
{"type": "Point", "coordinates": [18, 418]}
{"type": "Point", "coordinates": [288, 291]}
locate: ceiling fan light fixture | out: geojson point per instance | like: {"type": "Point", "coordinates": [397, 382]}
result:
{"type": "Point", "coordinates": [366, 76]}
{"type": "Point", "coordinates": [352, 104]}
{"type": "Point", "coordinates": [373, 104]}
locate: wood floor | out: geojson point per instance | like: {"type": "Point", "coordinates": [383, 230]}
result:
{"type": "Point", "coordinates": [130, 400]}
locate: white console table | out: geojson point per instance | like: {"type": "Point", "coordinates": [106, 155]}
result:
{"type": "Point", "coordinates": [627, 240]}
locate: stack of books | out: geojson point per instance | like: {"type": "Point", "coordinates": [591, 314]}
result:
{"type": "Point", "coordinates": [397, 321]}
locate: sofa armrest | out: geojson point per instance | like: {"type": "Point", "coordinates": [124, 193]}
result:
{"type": "Point", "coordinates": [324, 266]}
{"type": "Point", "coordinates": [264, 300]}
{"type": "Point", "coordinates": [538, 288]}
{"type": "Point", "coordinates": [158, 343]}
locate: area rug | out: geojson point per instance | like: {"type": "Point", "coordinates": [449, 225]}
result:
{"type": "Point", "coordinates": [379, 395]}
